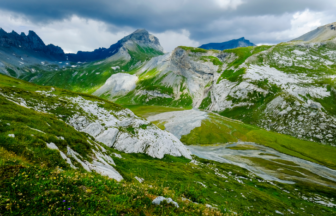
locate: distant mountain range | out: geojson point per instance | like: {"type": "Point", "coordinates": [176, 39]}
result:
{"type": "Point", "coordinates": [241, 42]}
{"type": "Point", "coordinates": [32, 44]}
{"type": "Point", "coordinates": [140, 37]}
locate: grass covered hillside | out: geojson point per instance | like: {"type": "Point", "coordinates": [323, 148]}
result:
{"type": "Point", "coordinates": [88, 77]}
{"type": "Point", "coordinates": [50, 166]}
{"type": "Point", "coordinates": [287, 88]}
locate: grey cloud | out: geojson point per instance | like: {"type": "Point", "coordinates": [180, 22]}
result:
{"type": "Point", "coordinates": [204, 19]}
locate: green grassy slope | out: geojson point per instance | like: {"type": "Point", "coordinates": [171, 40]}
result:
{"type": "Point", "coordinates": [34, 180]}
{"type": "Point", "coordinates": [89, 77]}
{"type": "Point", "coordinates": [219, 130]}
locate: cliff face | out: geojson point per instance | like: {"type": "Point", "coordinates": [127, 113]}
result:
{"type": "Point", "coordinates": [30, 42]}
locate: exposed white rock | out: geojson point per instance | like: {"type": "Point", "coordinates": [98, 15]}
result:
{"type": "Point", "coordinates": [36, 130]}
{"type": "Point", "coordinates": [159, 199]}
{"type": "Point", "coordinates": [99, 165]}
{"type": "Point", "coordinates": [181, 63]}
{"type": "Point", "coordinates": [54, 147]}
{"type": "Point", "coordinates": [11, 135]}
{"type": "Point", "coordinates": [151, 141]}
{"type": "Point", "coordinates": [139, 179]}
{"type": "Point", "coordinates": [105, 169]}
{"type": "Point", "coordinates": [153, 94]}
{"type": "Point", "coordinates": [180, 123]}
{"type": "Point", "coordinates": [278, 212]}
{"type": "Point", "coordinates": [94, 129]}
{"type": "Point", "coordinates": [289, 82]}
{"type": "Point", "coordinates": [108, 137]}
{"type": "Point", "coordinates": [117, 155]}
{"type": "Point", "coordinates": [75, 155]}
{"type": "Point", "coordinates": [202, 184]}
{"type": "Point", "coordinates": [118, 84]}
{"type": "Point", "coordinates": [104, 158]}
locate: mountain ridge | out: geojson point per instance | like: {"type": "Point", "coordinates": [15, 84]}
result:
{"type": "Point", "coordinates": [321, 34]}
{"type": "Point", "coordinates": [30, 42]}
{"type": "Point", "coordinates": [231, 44]}
{"type": "Point", "coordinates": [140, 37]}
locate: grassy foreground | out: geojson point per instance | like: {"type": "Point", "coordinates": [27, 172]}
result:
{"type": "Point", "coordinates": [35, 180]}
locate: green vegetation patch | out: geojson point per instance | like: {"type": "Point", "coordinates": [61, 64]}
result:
{"type": "Point", "coordinates": [35, 180]}
{"type": "Point", "coordinates": [193, 49]}
{"type": "Point", "coordinates": [206, 102]}
{"type": "Point", "coordinates": [89, 77]}
{"type": "Point", "coordinates": [214, 60]}
{"type": "Point", "coordinates": [233, 76]}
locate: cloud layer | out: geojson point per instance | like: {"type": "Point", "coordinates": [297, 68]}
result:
{"type": "Point", "coordinates": [86, 24]}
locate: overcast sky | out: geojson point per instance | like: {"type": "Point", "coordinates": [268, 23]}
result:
{"type": "Point", "coordinates": [89, 24]}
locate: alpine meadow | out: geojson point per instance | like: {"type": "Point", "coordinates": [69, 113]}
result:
{"type": "Point", "coordinates": [229, 128]}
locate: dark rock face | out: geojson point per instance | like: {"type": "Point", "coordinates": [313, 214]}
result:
{"type": "Point", "coordinates": [95, 55]}
{"type": "Point", "coordinates": [241, 42]}
{"type": "Point", "coordinates": [31, 42]}
{"type": "Point", "coordinates": [140, 36]}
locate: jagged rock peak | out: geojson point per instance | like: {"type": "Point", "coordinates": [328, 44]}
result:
{"type": "Point", "coordinates": [143, 38]}
{"type": "Point", "coordinates": [30, 42]}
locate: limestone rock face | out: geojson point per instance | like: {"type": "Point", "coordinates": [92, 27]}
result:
{"type": "Point", "coordinates": [118, 84]}
{"type": "Point", "coordinates": [185, 66]}
{"type": "Point", "coordinates": [143, 38]}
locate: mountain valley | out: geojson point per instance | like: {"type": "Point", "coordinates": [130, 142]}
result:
{"type": "Point", "coordinates": [242, 131]}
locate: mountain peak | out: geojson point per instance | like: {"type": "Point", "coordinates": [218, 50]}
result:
{"type": "Point", "coordinates": [2, 31]}
{"type": "Point", "coordinates": [32, 34]}
{"type": "Point", "coordinates": [143, 38]}
{"type": "Point", "coordinates": [140, 31]}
